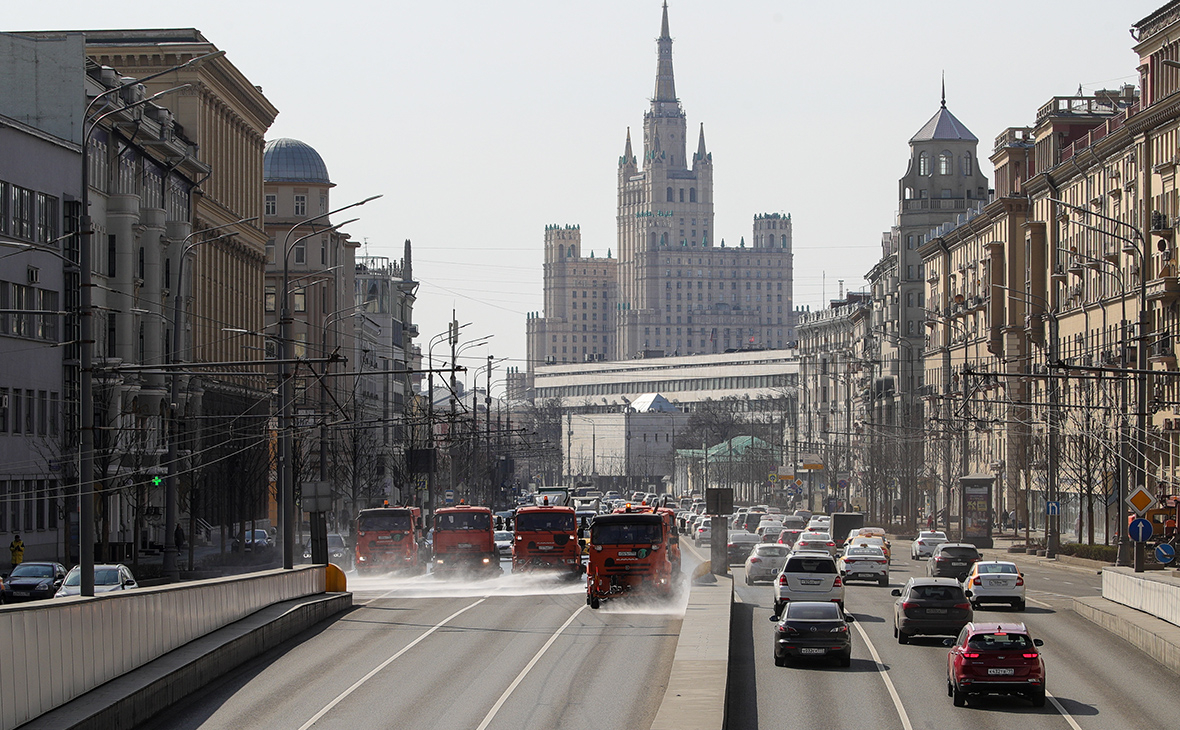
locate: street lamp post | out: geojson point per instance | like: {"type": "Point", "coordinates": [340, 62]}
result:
{"type": "Point", "coordinates": [286, 470]}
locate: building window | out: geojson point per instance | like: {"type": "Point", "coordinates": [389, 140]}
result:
{"type": "Point", "coordinates": [300, 205]}
{"type": "Point", "coordinates": [944, 163]}
{"type": "Point", "coordinates": [46, 218]}
{"type": "Point", "coordinates": [692, 196]}
{"type": "Point", "coordinates": [669, 195]}
{"type": "Point", "coordinates": [923, 164]}
{"type": "Point", "coordinates": [909, 242]}
{"type": "Point", "coordinates": [270, 298]}
{"type": "Point", "coordinates": [301, 253]}
{"type": "Point", "coordinates": [681, 195]}
{"type": "Point", "coordinates": [271, 204]}
{"type": "Point", "coordinates": [967, 165]}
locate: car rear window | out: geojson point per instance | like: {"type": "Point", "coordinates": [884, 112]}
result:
{"type": "Point", "coordinates": [773, 551]}
{"type": "Point", "coordinates": [810, 565]}
{"type": "Point", "coordinates": [937, 593]}
{"type": "Point", "coordinates": [997, 568]}
{"type": "Point", "coordinates": [813, 611]}
{"type": "Point", "coordinates": [817, 537]}
{"type": "Point", "coordinates": [959, 552]}
{"type": "Point", "coordinates": [999, 641]}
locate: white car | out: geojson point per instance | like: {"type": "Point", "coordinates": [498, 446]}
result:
{"type": "Point", "coordinates": [923, 546]}
{"type": "Point", "coordinates": [704, 532]}
{"type": "Point", "coordinates": [822, 522]}
{"type": "Point", "coordinates": [765, 562]}
{"type": "Point", "coordinates": [995, 581]}
{"type": "Point", "coordinates": [808, 577]}
{"type": "Point", "coordinates": [503, 540]}
{"type": "Point", "coordinates": [816, 541]}
{"type": "Point", "coordinates": [107, 578]}
{"type": "Point", "coordinates": [864, 562]}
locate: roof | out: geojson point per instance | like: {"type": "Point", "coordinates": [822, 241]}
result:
{"type": "Point", "coordinates": [943, 125]}
{"type": "Point", "coordinates": [289, 160]}
{"type": "Point", "coordinates": [628, 518]}
{"type": "Point", "coordinates": [653, 403]}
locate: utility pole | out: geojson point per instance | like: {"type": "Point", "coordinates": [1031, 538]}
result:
{"type": "Point", "coordinates": [1051, 534]}
{"type": "Point", "coordinates": [454, 392]}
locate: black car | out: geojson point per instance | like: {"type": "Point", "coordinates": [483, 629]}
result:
{"type": "Point", "coordinates": [812, 629]}
{"type": "Point", "coordinates": [952, 560]}
{"type": "Point", "coordinates": [32, 582]}
{"type": "Point", "coordinates": [930, 606]}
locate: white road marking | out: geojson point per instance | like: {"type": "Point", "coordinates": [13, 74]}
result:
{"type": "Point", "coordinates": [315, 718]}
{"type": "Point", "coordinates": [1066, 715]}
{"type": "Point", "coordinates": [901, 713]}
{"type": "Point", "coordinates": [520, 677]}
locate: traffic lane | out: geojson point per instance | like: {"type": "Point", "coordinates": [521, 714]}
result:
{"type": "Point", "coordinates": [1101, 681]}
{"type": "Point", "coordinates": [1048, 579]}
{"type": "Point", "coordinates": [809, 693]}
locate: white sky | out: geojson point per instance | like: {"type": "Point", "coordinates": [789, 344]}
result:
{"type": "Point", "coordinates": [481, 122]}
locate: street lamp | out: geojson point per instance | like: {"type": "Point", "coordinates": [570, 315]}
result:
{"type": "Point", "coordinates": [286, 470]}
{"type": "Point", "coordinates": [86, 314]}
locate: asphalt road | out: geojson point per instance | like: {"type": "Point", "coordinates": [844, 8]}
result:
{"type": "Point", "coordinates": [1096, 681]}
{"type": "Point", "coordinates": [509, 652]}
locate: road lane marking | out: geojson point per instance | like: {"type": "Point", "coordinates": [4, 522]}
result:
{"type": "Point", "coordinates": [905, 719]}
{"type": "Point", "coordinates": [1041, 603]}
{"type": "Point", "coordinates": [340, 698]}
{"type": "Point", "coordinates": [520, 677]}
{"type": "Point", "coordinates": [1066, 715]}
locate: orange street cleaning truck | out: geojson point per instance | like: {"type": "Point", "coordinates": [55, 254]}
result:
{"type": "Point", "coordinates": [464, 540]}
{"type": "Point", "coordinates": [390, 539]}
{"type": "Point", "coordinates": [628, 552]}
{"type": "Point", "coordinates": [546, 538]}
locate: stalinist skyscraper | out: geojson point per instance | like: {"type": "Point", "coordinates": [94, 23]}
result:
{"type": "Point", "coordinates": [676, 288]}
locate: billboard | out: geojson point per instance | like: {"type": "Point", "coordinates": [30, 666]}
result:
{"type": "Point", "coordinates": [977, 510]}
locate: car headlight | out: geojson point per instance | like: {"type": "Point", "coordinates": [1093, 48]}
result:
{"type": "Point", "coordinates": [44, 585]}
{"type": "Point", "coordinates": [337, 554]}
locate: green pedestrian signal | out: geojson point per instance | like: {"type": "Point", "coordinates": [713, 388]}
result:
{"type": "Point", "coordinates": [157, 481]}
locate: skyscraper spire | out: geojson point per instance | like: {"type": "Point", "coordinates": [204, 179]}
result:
{"type": "Point", "coordinates": [665, 83]}
{"type": "Point", "coordinates": [628, 155]}
{"type": "Point", "coordinates": [702, 154]}
{"type": "Point", "coordinates": [944, 89]}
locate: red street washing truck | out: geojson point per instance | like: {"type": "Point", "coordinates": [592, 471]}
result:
{"type": "Point", "coordinates": [464, 540]}
{"type": "Point", "coordinates": [546, 537]}
{"type": "Point", "coordinates": [628, 552]}
{"type": "Point", "coordinates": [389, 539]}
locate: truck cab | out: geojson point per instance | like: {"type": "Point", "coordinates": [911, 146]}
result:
{"type": "Point", "coordinates": [389, 539]}
{"type": "Point", "coordinates": [546, 537]}
{"type": "Point", "coordinates": [628, 552]}
{"type": "Point", "coordinates": [464, 540]}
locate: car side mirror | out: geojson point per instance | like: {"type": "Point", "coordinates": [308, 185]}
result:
{"type": "Point", "coordinates": [3, 576]}
{"type": "Point", "coordinates": [948, 642]}
{"type": "Point", "coordinates": [849, 618]}
{"type": "Point", "coordinates": [962, 577]}
{"type": "Point", "coordinates": [775, 619]}
{"type": "Point", "coordinates": [968, 593]}
{"type": "Point", "coordinates": [895, 592]}
{"type": "Point", "coordinates": [1038, 642]}
{"type": "Point", "coordinates": [129, 583]}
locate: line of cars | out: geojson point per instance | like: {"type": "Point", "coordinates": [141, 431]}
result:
{"type": "Point", "coordinates": [35, 581]}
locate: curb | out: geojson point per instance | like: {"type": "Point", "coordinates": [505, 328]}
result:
{"type": "Point", "coordinates": [133, 698]}
{"type": "Point", "coordinates": [696, 698]}
{"type": "Point", "coordinates": [1155, 637]}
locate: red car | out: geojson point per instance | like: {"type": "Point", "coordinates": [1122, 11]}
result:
{"type": "Point", "coordinates": [995, 658]}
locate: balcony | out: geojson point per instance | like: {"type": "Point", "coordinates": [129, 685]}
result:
{"type": "Point", "coordinates": [1164, 289]}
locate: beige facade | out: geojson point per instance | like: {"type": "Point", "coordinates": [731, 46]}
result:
{"type": "Point", "coordinates": [580, 297]}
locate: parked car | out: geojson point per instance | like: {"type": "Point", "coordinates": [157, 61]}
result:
{"type": "Point", "coordinates": [995, 581]}
{"type": "Point", "coordinates": [922, 547]}
{"type": "Point", "coordinates": [995, 658]}
{"type": "Point", "coordinates": [952, 560]}
{"type": "Point", "coordinates": [808, 577]}
{"type": "Point", "coordinates": [108, 577]}
{"type": "Point", "coordinates": [255, 540]}
{"type": "Point", "coordinates": [816, 541]}
{"type": "Point", "coordinates": [930, 606]}
{"type": "Point", "coordinates": [765, 562]}
{"type": "Point", "coordinates": [864, 562]}
{"type": "Point", "coordinates": [32, 582]}
{"type": "Point", "coordinates": [739, 546]}
{"type": "Point", "coordinates": [807, 629]}
{"type": "Point", "coordinates": [503, 540]}
{"type": "Point", "coordinates": [339, 553]}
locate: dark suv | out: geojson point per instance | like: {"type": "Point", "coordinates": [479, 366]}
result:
{"type": "Point", "coordinates": [952, 560]}
{"type": "Point", "coordinates": [930, 606]}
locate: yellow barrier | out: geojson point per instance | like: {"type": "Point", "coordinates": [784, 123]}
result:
{"type": "Point", "coordinates": [335, 582]}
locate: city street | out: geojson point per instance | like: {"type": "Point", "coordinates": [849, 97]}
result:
{"type": "Point", "coordinates": [1095, 681]}
{"type": "Point", "coordinates": [508, 652]}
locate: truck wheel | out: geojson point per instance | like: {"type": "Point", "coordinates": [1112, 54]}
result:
{"type": "Point", "coordinates": [595, 603]}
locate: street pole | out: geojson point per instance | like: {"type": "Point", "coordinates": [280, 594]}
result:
{"type": "Point", "coordinates": [1052, 457]}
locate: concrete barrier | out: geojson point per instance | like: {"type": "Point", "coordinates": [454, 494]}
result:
{"type": "Point", "coordinates": [696, 697]}
{"type": "Point", "coordinates": [1157, 594]}
{"type": "Point", "coordinates": [54, 652]}
{"type": "Point", "coordinates": [1157, 638]}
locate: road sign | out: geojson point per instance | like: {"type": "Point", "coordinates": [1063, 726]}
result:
{"type": "Point", "coordinates": [1165, 553]}
{"type": "Point", "coordinates": [1140, 500]}
{"type": "Point", "coordinates": [449, 496]}
{"type": "Point", "coordinates": [1052, 508]}
{"type": "Point", "coordinates": [798, 482]}
{"type": "Point", "coordinates": [843, 484]}
{"type": "Point", "coordinates": [772, 477]}
{"type": "Point", "coordinates": [1140, 530]}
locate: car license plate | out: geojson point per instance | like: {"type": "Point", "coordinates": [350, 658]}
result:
{"type": "Point", "coordinates": [812, 650]}
{"type": "Point", "coordinates": [21, 594]}
{"type": "Point", "coordinates": [936, 610]}
{"type": "Point", "coordinates": [1000, 670]}
{"type": "Point", "coordinates": [464, 545]}
{"type": "Point", "coordinates": [997, 582]}
{"type": "Point", "coordinates": [627, 554]}
{"type": "Point", "coordinates": [384, 537]}
{"type": "Point", "coordinates": [809, 581]}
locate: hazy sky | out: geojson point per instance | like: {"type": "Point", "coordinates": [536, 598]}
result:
{"type": "Point", "coordinates": [483, 121]}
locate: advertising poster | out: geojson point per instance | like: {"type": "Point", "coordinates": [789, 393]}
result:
{"type": "Point", "coordinates": [976, 511]}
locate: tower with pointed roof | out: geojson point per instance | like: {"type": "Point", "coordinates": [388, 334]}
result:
{"type": "Point", "coordinates": [675, 287]}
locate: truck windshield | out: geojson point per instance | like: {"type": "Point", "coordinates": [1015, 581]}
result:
{"type": "Point", "coordinates": [625, 534]}
{"type": "Point", "coordinates": [463, 521]}
{"type": "Point", "coordinates": [545, 521]}
{"type": "Point", "coordinates": [383, 521]}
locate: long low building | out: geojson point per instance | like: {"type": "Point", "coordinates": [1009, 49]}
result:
{"type": "Point", "coordinates": [759, 375]}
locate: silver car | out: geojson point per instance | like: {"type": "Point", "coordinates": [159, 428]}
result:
{"type": "Point", "coordinates": [865, 562]}
{"type": "Point", "coordinates": [808, 576]}
{"type": "Point", "coordinates": [923, 545]}
{"type": "Point", "coordinates": [816, 541]}
{"type": "Point", "coordinates": [107, 578]}
{"type": "Point", "coordinates": [766, 561]}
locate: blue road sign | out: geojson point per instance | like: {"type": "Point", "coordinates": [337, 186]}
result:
{"type": "Point", "coordinates": [1052, 508]}
{"type": "Point", "coordinates": [449, 496]}
{"type": "Point", "coordinates": [1165, 553]}
{"type": "Point", "coordinates": [1140, 530]}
